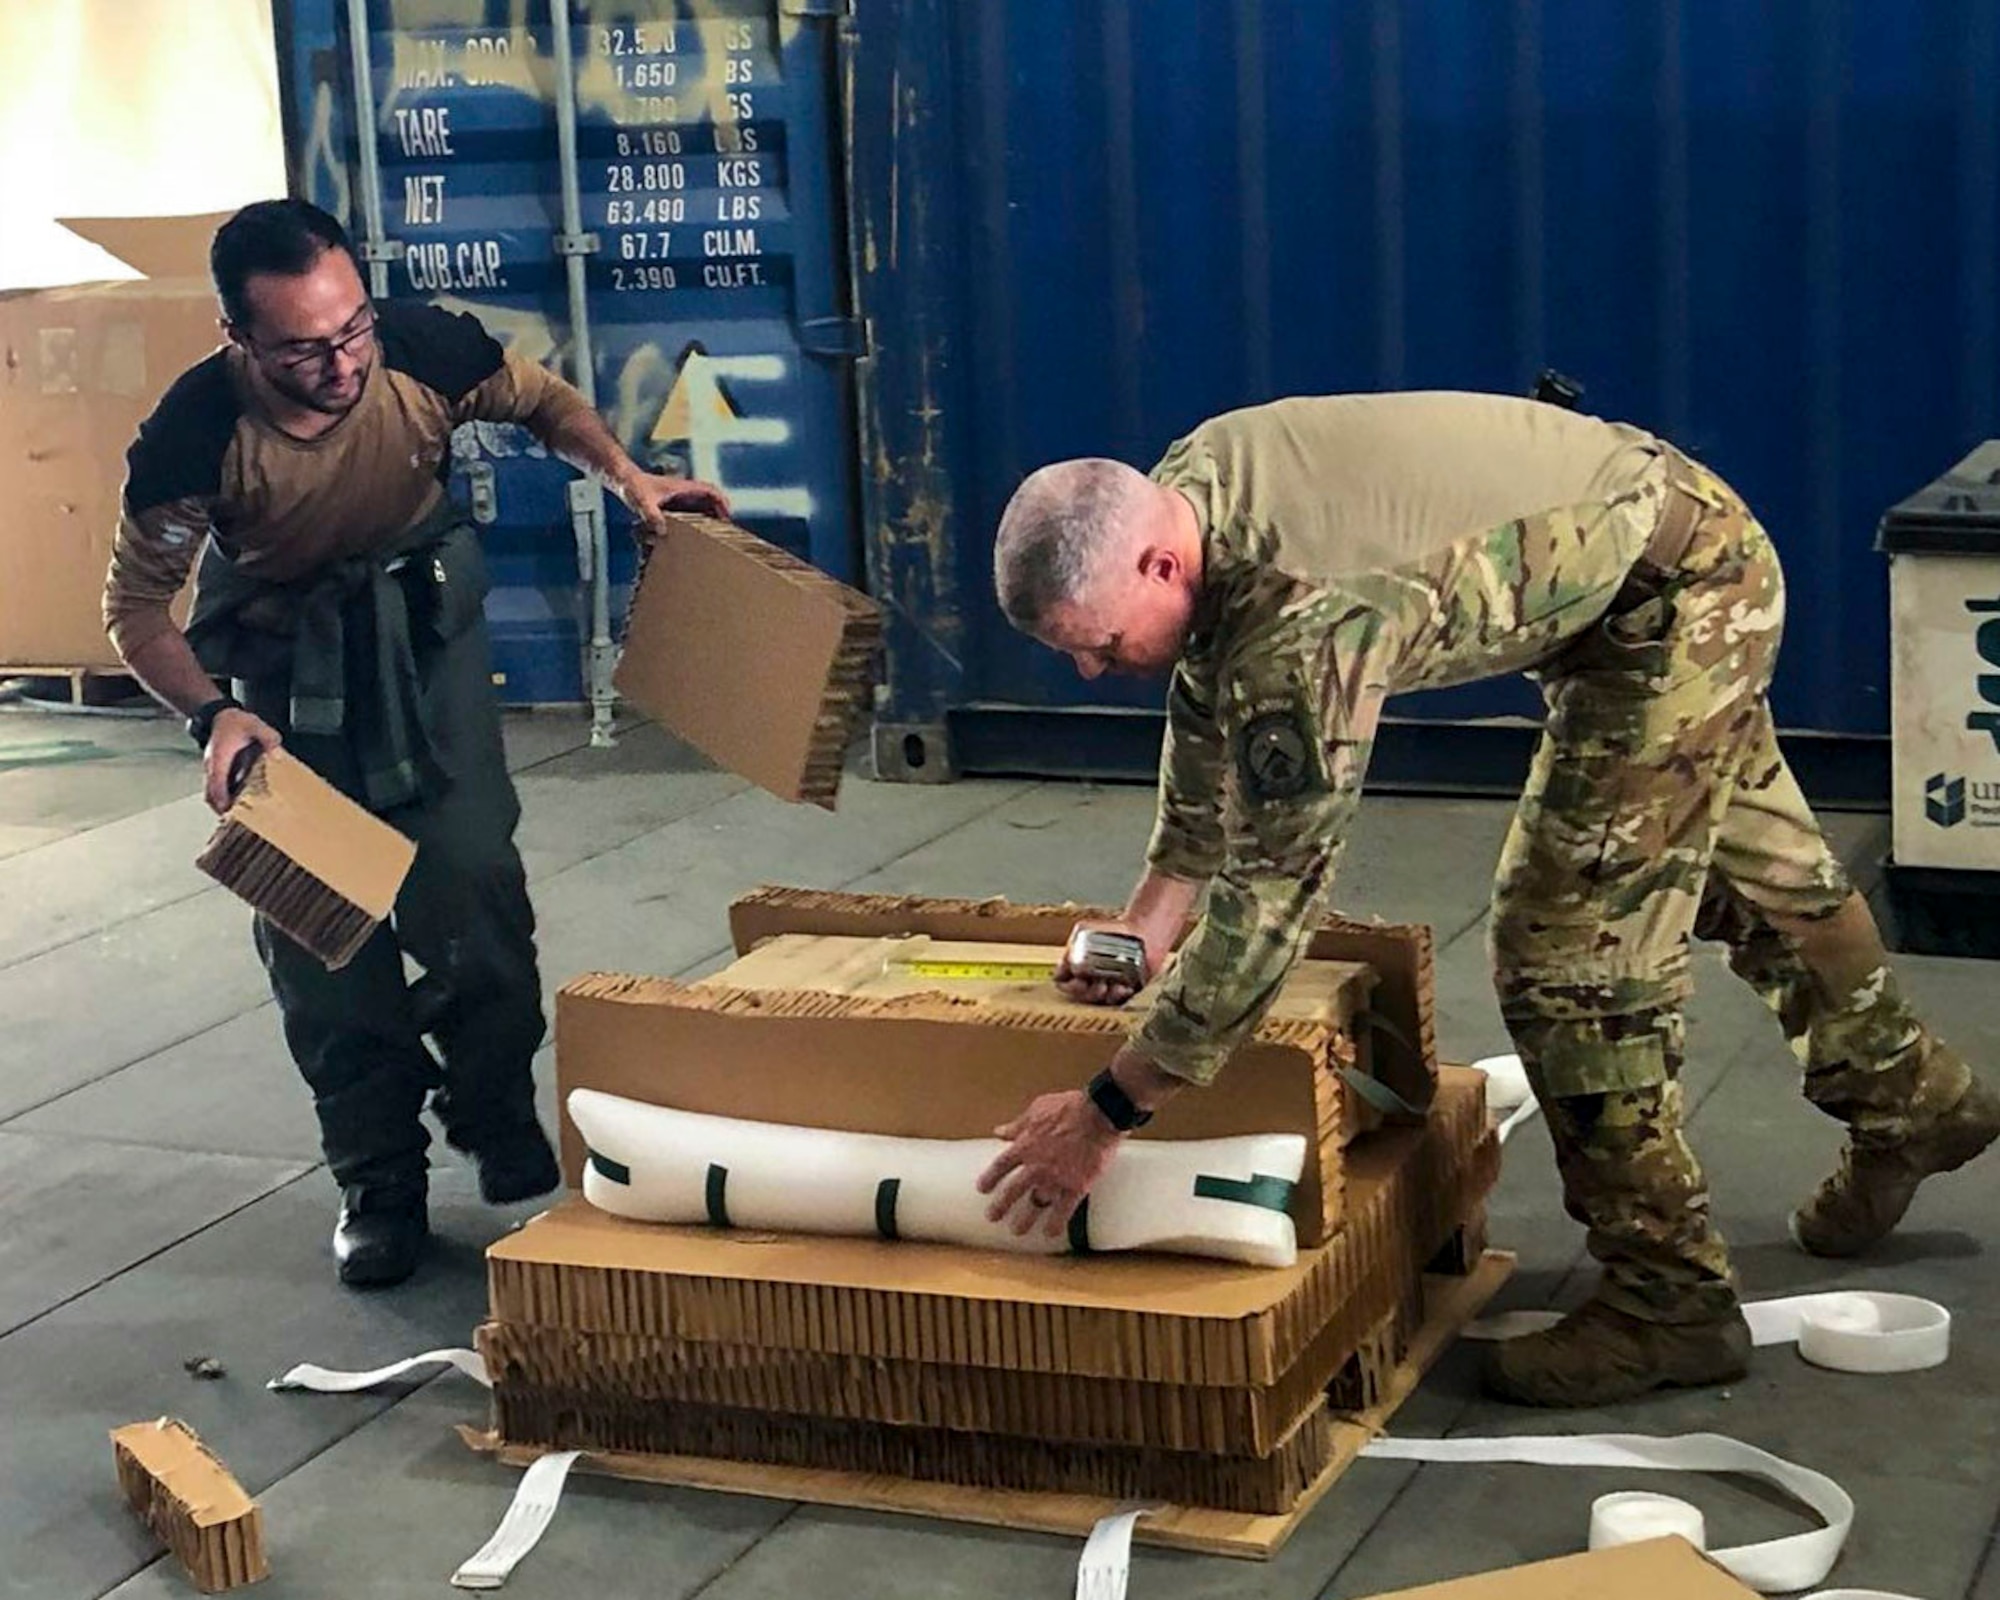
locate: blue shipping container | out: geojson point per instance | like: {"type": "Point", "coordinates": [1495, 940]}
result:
{"type": "Point", "coordinates": [1769, 229]}
{"type": "Point", "coordinates": [711, 234]}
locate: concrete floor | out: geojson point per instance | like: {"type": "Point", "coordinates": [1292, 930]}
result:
{"type": "Point", "coordinates": [160, 1199]}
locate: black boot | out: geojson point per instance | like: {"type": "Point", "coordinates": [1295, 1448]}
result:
{"type": "Point", "coordinates": [380, 1236]}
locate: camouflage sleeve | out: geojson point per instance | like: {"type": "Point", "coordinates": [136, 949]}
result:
{"type": "Point", "coordinates": [521, 391]}
{"type": "Point", "coordinates": [1187, 829]}
{"type": "Point", "coordinates": [1301, 692]}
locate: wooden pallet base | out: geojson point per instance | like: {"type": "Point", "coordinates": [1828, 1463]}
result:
{"type": "Point", "coordinates": [1450, 1302]}
{"type": "Point", "coordinates": [87, 686]}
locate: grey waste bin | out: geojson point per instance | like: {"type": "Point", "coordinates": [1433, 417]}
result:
{"type": "Point", "coordinates": [1943, 877]}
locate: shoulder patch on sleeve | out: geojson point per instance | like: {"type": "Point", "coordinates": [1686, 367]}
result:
{"type": "Point", "coordinates": [1277, 755]}
{"type": "Point", "coordinates": [180, 447]}
{"type": "Point", "coordinates": [443, 350]}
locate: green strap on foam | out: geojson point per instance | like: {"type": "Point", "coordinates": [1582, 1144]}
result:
{"type": "Point", "coordinates": [613, 1171]}
{"type": "Point", "coordinates": [1079, 1227]}
{"type": "Point", "coordinates": [1378, 1094]}
{"type": "Point", "coordinates": [1260, 1189]}
{"type": "Point", "coordinates": [886, 1193]}
{"type": "Point", "coordinates": [718, 1200]}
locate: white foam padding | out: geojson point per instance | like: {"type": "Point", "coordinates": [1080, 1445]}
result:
{"type": "Point", "coordinates": [1224, 1198]}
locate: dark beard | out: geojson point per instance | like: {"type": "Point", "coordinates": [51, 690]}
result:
{"type": "Point", "coordinates": [300, 394]}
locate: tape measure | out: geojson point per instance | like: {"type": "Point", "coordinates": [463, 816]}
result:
{"type": "Point", "coordinates": [994, 971]}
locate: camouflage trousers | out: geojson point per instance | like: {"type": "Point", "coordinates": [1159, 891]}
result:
{"type": "Point", "coordinates": [1659, 809]}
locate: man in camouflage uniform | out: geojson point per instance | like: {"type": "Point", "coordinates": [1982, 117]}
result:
{"type": "Point", "coordinates": [1297, 563]}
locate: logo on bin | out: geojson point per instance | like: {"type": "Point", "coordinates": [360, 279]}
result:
{"type": "Point", "coordinates": [1986, 639]}
{"type": "Point", "coordinates": [1944, 800]}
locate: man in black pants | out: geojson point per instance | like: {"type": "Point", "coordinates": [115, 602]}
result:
{"type": "Point", "coordinates": [342, 595]}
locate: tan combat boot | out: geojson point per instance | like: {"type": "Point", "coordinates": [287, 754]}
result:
{"type": "Point", "coordinates": [1598, 1356]}
{"type": "Point", "coordinates": [1873, 1185]}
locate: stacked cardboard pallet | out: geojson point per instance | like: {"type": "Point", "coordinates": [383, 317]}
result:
{"type": "Point", "coordinates": [1192, 1382]}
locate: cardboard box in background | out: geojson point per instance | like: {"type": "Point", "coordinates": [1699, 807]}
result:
{"type": "Point", "coordinates": [1659, 1569]}
{"type": "Point", "coordinates": [80, 367]}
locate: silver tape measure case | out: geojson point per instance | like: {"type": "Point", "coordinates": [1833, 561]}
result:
{"type": "Point", "coordinates": [1108, 956]}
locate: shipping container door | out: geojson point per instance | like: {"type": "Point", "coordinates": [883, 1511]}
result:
{"type": "Point", "coordinates": [712, 242]}
{"type": "Point", "coordinates": [1769, 231]}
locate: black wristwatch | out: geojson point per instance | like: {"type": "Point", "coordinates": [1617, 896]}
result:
{"type": "Point", "coordinates": [202, 723]}
{"type": "Point", "coordinates": [1119, 1108]}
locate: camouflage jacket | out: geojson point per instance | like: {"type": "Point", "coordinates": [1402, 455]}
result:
{"type": "Point", "coordinates": [1354, 547]}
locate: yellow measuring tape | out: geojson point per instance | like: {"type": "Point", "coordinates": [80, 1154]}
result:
{"type": "Point", "coordinates": [996, 971]}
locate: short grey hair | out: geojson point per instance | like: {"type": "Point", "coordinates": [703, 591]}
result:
{"type": "Point", "coordinates": [1056, 531]}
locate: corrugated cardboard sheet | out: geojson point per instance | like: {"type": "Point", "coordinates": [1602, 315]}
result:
{"type": "Point", "coordinates": [1331, 994]}
{"type": "Point", "coordinates": [1410, 1189]}
{"type": "Point", "coordinates": [1450, 1303]}
{"type": "Point", "coordinates": [926, 1067]}
{"type": "Point", "coordinates": [192, 1503]}
{"type": "Point", "coordinates": [759, 660]}
{"type": "Point", "coordinates": [1404, 1054]}
{"type": "Point", "coordinates": [897, 966]}
{"type": "Point", "coordinates": [1155, 1319]}
{"type": "Point", "coordinates": [321, 867]}
{"type": "Point", "coordinates": [1256, 1484]}
{"type": "Point", "coordinates": [1659, 1569]}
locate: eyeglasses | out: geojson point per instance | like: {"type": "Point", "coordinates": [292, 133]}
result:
{"type": "Point", "coordinates": [302, 353]}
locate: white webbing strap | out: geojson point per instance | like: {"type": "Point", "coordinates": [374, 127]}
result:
{"type": "Point", "coordinates": [329, 1380]}
{"type": "Point", "coordinates": [1106, 1564]}
{"type": "Point", "coordinates": [527, 1519]}
{"type": "Point", "coordinates": [1846, 1330]}
{"type": "Point", "coordinates": [1777, 1566]}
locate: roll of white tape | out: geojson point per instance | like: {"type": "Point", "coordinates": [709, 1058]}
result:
{"type": "Point", "coordinates": [1777, 1566]}
{"type": "Point", "coordinates": [1883, 1333]}
{"type": "Point", "coordinates": [1857, 1594]}
{"type": "Point", "coordinates": [1848, 1330]}
{"type": "Point", "coordinates": [1857, 1330]}
{"type": "Point", "coordinates": [1848, 1313]}
{"type": "Point", "coordinates": [1632, 1516]}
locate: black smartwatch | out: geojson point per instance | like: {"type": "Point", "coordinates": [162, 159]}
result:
{"type": "Point", "coordinates": [1119, 1108]}
{"type": "Point", "coordinates": [202, 723]}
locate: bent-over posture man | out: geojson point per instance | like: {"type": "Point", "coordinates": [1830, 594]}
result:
{"type": "Point", "coordinates": [1295, 564]}
{"type": "Point", "coordinates": [341, 594]}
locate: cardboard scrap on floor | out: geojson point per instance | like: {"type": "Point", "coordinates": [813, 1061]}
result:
{"type": "Point", "coordinates": [192, 1502]}
{"type": "Point", "coordinates": [758, 659]}
{"type": "Point", "coordinates": [321, 867]}
{"type": "Point", "coordinates": [1658, 1569]}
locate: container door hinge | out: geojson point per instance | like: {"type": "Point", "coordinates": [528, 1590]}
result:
{"type": "Point", "coordinates": [577, 244]}
{"type": "Point", "coordinates": [845, 338]}
{"type": "Point", "coordinates": [823, 10]}
{"type": "Point", "coordinates": [586, 508]}
{"type": "Point", "coordinates": [379, 249]}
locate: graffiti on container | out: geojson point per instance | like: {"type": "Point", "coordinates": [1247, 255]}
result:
{"type": "Point", "coordinates": [701, 415]}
